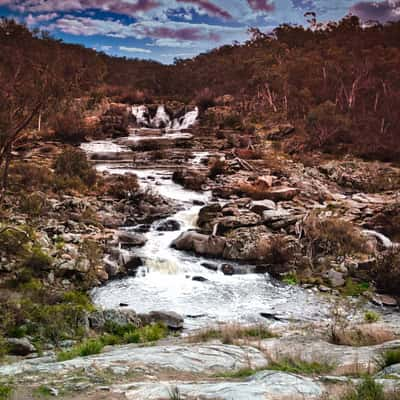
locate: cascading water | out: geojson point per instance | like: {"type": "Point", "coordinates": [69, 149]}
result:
{"type": "Point", "coordinates": [165, 282]}
{"type": "Point", "coordinates": [163, 120]}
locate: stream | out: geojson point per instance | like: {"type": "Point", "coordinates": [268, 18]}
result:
{"type": "Point", "coordinates": [165, 282]}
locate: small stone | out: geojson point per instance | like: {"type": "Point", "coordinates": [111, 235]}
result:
{"type": "Point", "coordinates": [323, 289]}
{"type": "Point", "coordinates": [384, 300]}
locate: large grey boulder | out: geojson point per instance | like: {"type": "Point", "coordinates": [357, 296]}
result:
{"type": "Point", "coordinates": [20, 346]}
{"type": "Point", "coordinates": [271, 385]}
{"type": "Point", "coordinates": [99, 319]}
{"type": "Point", "coordinates": [170, 319]}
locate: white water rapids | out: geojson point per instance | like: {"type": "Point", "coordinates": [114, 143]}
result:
{"type": "Point", "coordinates": [165, 282]}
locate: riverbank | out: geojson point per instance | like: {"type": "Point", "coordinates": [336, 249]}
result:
{"type": "Point", "coordinates": [258, 240]}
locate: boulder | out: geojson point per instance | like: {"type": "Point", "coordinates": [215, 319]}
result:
{"type": "Point", "coordinates": [281, 193]}
{"type": "Point", "coordinates": [20, 346]}
{"type": "Point", "coordinates": [384, 300]}
{"type": "Point", "coordinates": [170, 319]}
{"type": "Point", "coordinates": [335, 278]}
{"type": "Point", "coordinates": [248, 244]}
{"type": "Point", "coordinates": [201, 244]}
{"type": "Point", "coordinates": [169, 225]}
{"type": "Point", "coordinates": [190, 178]}
{"type": "Point", "coordinates": [262, 205]}
{"type": "Point", "coordinates": [243, 218]}
{"type": "Point", "coordinates": [131, 239]}
{"type": "Point", "coordinates": [98, 319]}
{"type": "Point", "coordinates": [208, 215]}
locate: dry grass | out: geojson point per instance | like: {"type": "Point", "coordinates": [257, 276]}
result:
{"type": "Point", "coordinates": [361, 335]}
{"type": "Point", "coordinates": [229, 334]}
{"type": "Point", "coordinates": [330, 235]}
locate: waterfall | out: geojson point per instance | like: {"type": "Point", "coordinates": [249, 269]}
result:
{"type": "Point", "coordinates": [163, 120]}
{"type": "Point", "coordinates": [141, 114]}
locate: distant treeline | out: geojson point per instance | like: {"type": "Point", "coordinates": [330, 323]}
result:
{"type": "Point", "coordinates": [339, 84]}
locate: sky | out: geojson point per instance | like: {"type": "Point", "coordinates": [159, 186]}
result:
{"type": "Point", "coordinates": [163, 30]}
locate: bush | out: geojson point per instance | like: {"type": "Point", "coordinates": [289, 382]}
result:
{"type": "Point", "coordinates": [72, 164]}
{"type": "Point", "coordinates": [368, 389]}
{"type": "Point", "coordinates": [37, 261]}
{"type": "Point", "coordinates": [205, 99]}
{"type": "Point", "coordinates": [123, 186]}
{"type": "Point", "coordinates": [390, 357]}
{"type": "Point", "coordinates": [232, 121]}
{"type": "Point", "coordinates": [13, 239]}
{"type": "Point", "coordinates": [371, 316]}
{"type": "Point", "coordinates": [217, 167]}
{"type": "Point", "coordinates": [29, 176]}
{"type": "Point", "coordinates": [5, 392]}
{"type": "Point", "coordinates": [34, 204]}
{"type": "Point", "coordinates": [387, 272]}
{"type": "Point", "coordinates": [87, 348]}
{"type": "Point", "coordinates": [333, 236]}
{"type": "Point", "coordinates": [69, 127]}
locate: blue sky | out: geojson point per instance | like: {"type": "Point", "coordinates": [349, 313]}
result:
{"type": "Point", "coordinates": [164, 29]}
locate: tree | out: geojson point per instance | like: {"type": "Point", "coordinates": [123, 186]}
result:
{"type": "Point", "coordinates": [36, 72]}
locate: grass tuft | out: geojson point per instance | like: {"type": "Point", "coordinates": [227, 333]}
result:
{"type": "Point", "coordinates": [294, 366]}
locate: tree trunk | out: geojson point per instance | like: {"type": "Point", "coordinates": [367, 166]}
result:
{"type": "Point", "coordinates": [4, 182]}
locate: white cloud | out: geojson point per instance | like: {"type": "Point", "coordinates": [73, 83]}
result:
{"type": "Point", "coordinates": [134, 49]}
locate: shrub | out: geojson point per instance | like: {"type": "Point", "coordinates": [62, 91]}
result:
{"type": "Point", "coordinates": [13, 239]}
{"type": "Point", "coordinates": [29, 176]}
{"type": "Point", "coordinates": [123, 186]}
{"type": "Point", "coordinates": [232, 121]}
{"type": "Point", "coordinates": [33, 204]}
{"type": "Point", "coordinates": [87, 348]}
{"type": "Point", "coordinates": [205, 99]}
{"type": "Point", "coordinates": [371, 316]}
{"type": "Point", "coordinates": [368, 389]}
{"type": "Point", "coordinates": [69, 126]}
{"type": "Point", "coordinates": [217, 167]}
{"type": "Point", "coordinates": [387, 271]}
{"type": "Point", "coordinates": [5, 392]}
{"type": "Point", "coordinates": [332, 236]}
{"type": "Point", "coordinates": [390, 357]}
{"type": "Point", "coordinates": [73, 163]}
{"type": "Point", "coordinates": [37, 261]}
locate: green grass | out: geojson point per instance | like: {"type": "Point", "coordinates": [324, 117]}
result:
{"type": "Point", "coordinates": [87, 348]}
{"type": "Point", "coordinates": [290, 279]}
{"type": "Point", "coordinates": [368, 389]}
{"type": "Point", "coordinates": [117, 334]}
{"type": "Point", "coordinates": [294, 366]}
{"type": "Point", "coordinates": [5, 392]}
{"type": "Point", "coordinates": [241, 373]}
{"type": "Point", "coordinates": [371, 316]}
{"type": "Point", "coordinates": [390, 357]}
{"type": "Point", "coordinates": [42, 391]}
{"type": "Point", "coordinates": [353, 289]}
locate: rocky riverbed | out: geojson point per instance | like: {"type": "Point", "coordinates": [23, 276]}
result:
{"type": "Point", "coordinates": [214, 240]}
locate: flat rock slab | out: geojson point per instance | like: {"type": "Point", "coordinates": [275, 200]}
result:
{"type": "Point", "coordinates": [203, 358]}
{"type": "Point", "coordinates": [267, 385]}
{"type": "Point", "coordinates": [345, 360]}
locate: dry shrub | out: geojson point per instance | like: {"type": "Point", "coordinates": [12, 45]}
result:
{"type": "Point", "coordinates": [332, 236]}
{"type": "Point", "coordinates": [250, 154]}
{"type": "Point", "coordinates": [28, 176]}
{"type": "Point", "coordinates": [387, 271]}
{"type": "Point", "coordinates": [134, 97]}
{"type": "Point", "coordinates": [69, 126]}
{"type": "Point", "coordinates": [205, 99]}
{"type": "Point", "coordinates": [217, 166]}
{"type": "Point", "coordinates": [73, 164]}
{"type": "Point", "coordinates": [361, 335]}
{"type": "Point", "coordinates": [123, 186]}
